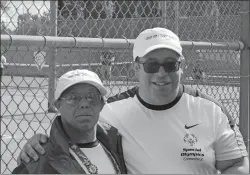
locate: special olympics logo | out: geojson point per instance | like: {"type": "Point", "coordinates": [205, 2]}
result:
{"type": "Point", "coordinates": [190, 139]}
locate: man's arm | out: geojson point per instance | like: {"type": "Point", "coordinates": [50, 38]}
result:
{"type": "Point", "coordinates": [234, 166]}
{"type": "Point", "coordinates": [230, 150]}
{"type": "Point", "coordinates": [31, 148]}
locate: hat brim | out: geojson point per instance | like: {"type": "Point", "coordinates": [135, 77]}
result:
{"type": "Point", "coordinates": [159, 46]}
{"type": "Point", "coordinates": [101, 88]}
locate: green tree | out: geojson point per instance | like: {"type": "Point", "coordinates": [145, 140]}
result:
{"type": "Point", "coordinates": [86, 9]}
{"type": "Point", "coordinates": [28, 24]}
{"type": "Point", "coordinates": [4, 6]}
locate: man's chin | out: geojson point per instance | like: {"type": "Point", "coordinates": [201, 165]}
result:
{"type": "Point", "coordinates": [164, 92]}
{"type": "Point", "coordinates": [162, 89]}
{"type": "Point", "coordinates": [85, 127]}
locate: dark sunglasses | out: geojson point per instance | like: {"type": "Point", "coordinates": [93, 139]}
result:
{"type": "Point", "coordinates": [154, 66]}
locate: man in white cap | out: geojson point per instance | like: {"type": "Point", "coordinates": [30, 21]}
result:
{"type": "Point", "coordinates": [78, 144]}
{"type": "Point", "coordinates": [168, 127]}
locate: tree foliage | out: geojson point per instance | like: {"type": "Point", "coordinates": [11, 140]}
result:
{"type": "Point", "coordinates": [4, 6]}
{"type": "Point", "coordinates": [107, 9]}
{"type": "Point", "coordinates": [28, 24]}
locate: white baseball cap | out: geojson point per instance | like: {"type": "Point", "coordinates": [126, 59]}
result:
{"type": "Point", "coordinates": [156, 38]}
{"type": "Point", "coordinates": [78, 76]}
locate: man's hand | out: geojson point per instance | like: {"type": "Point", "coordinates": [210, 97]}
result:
{"type": "Point", "coordinates": [234, 166]}
{"type": "Point", "coordinates": [30, 148]}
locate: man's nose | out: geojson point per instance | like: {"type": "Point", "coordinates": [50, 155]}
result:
{"type": "Point", "coordinates": [161, 71]}
{"type": "Point", "coordinates": [84, 103]}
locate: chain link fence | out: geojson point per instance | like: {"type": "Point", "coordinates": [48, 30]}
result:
{"type": "Point", "coordinates": [192, 20]}
{"type": "Point", "coordinates": [82, 27]}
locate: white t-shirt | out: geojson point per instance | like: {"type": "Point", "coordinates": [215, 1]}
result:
{"type": "Point", "coordinates": [184, 137]}
{"type": "Point", "coordinates": [98, 157]}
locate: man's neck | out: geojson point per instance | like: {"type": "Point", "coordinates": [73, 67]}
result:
{"type": "Point", "coordinates": [158, 100]}
{"type": "Point", "coordinates": [80, 136]}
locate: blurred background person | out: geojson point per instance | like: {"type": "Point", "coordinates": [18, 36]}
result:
{"type": "Point", "coordinates": [3, 61]}
{"type": "Point", "coordinates": [107, 59]}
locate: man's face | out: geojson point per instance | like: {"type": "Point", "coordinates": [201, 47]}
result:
{"type": "Point", "coordinates": [160, 84]}
{"type": "Point", "coordinates": [80, 106]}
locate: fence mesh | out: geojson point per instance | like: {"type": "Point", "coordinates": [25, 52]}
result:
{"type": "Point", "coordinates": [192, 20]}
{"type": "Point", "coordinates": [25, 83]}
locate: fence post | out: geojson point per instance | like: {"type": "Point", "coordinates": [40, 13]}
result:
{"type": "Point", "coordinates": [52, 57]}
{"type": "Point", "coordinates": [244, 72]}
{"type": "Point", "coordinates": [177, 16]}
{"type": "Point", "coordinates": [164, 12]}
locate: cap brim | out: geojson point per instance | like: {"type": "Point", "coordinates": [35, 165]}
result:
{"type": "Point", "coordinates": [101, 88]}
{"type": "Point", "coordinates": [159, 46]}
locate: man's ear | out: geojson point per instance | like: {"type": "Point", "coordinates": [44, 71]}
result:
{"type": "Point", "coordinates": [136, 66]}
{"type": "Point", "coordinates": [103, 101]}
{"type": "Point", "coordinates": [182, 66]}
{"type": "Point", "coordinates": [57, 104]}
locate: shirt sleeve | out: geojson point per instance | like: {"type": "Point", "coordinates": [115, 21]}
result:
{"type": "Point", "coordinates": [229, 142]}
{"type": "Point", "coordinates": [107, 116]}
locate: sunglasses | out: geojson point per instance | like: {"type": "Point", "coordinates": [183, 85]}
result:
{"type": "Point", "coordinates": [154, 66]}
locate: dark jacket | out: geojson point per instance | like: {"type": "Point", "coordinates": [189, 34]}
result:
{"type": "Point", "coordinates": [58, 160]}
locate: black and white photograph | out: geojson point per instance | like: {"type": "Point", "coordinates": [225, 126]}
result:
{"type": "Point", "coordinates": [125, 87]}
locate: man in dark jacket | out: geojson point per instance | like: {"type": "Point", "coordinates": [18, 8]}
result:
{"type": "Point", "coordinates": [78, 143]}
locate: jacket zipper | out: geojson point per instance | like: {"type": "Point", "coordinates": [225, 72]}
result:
{"type": "Point", "coordinates": [120, 152]}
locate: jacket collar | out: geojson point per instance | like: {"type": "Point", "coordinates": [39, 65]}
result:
{"type": "Point", "coordinates": [59, 157]}
{"type": "Point", "coordinates": [58, 136]}
{"type": "Point", "coordinates": [107, 135]}
{"type": "Point", "coordinates": [104, 134]}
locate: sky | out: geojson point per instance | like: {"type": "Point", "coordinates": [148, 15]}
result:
{"type": "Point", "coordinates": [20, 7]}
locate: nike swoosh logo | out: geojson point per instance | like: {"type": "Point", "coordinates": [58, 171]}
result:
{"type": "Point", "coordinates": [188, 127]}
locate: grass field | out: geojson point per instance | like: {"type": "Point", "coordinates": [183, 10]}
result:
{"type": "Point", "coordinates": [24, 106]}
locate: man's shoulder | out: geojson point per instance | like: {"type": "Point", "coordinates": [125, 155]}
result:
{"type": "Point", "coordinates": [43, 158]}
{"type": "Point", "coordinates": [197, 93]}
{"type": "Point", "coordinates": [35, 166]}
{"type": "Point", "coordinates": [120, 102]}
{"type": "Point", "coordinates": [107, 132]}
{"type": "Point", "coordinates": [104, 125]}
{"type": "Point", "coordinates": [123, 95]}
